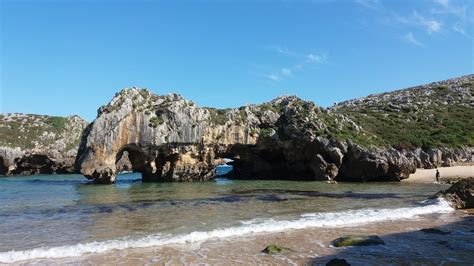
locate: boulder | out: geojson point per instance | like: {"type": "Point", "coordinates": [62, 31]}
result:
{"type": "Point", "coordinates": [275, 249]}
{"type": "Point", "coordinates": [357, 241]}
{"type": "Point", "coordinates": [460, 195]}
{"type": "Point", "coordinates": [337, 262]}
{"type": "Point", "coordinates": [374, 164]}
{"type": "Point", "coordinates": [434, 231]}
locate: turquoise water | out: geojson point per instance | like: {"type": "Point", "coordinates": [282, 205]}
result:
{"type": "Point", "coordinates": [64, 210]}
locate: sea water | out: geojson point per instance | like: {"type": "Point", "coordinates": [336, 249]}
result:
{"type": "Point", "coordinates": [59, 216]}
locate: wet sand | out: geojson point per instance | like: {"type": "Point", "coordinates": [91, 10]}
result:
{"type": "Point", "coordinates": [404, 244]}
{"type": "Point", "coordinates": [429, 175]}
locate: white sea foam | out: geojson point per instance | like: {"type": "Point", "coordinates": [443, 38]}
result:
{"type": "Point", "coordinates": [326, 219]}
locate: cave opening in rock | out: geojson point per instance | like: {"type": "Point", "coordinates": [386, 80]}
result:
{"type": "Point", "coordinates": [130, 158]}
{"type": "Point", "coordinates": [33, 164]}
{"type": "Point", "coordinates": [224, 169]}
{"type": "Point", "coordinates": [3, 167]}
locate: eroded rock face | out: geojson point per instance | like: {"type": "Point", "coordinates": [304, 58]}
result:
{"type": "Point", "coordinates": [36, 144]}
{"type": "Point", "coordinates": [168, 138]}
{"type": "Point", "coordinates": [376, 164]}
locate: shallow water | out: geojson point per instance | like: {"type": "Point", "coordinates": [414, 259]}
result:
{"type": "Point", "coordinates": [54, 216]}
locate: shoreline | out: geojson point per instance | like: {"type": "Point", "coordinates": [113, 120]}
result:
{"type": "Point", "coordinates": [446, 173]}
{"type": "Point", "coordinates": [312, 246]}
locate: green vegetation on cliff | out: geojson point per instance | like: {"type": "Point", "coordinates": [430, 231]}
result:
{"type": "Point", "coordinates": [156, 121]}
{"type": "Point", "coordinates": [426, 116]}
{"type": "Point", "coordinates": [28, 131]}
{"type": "Point", "coordinates": [218, 116]}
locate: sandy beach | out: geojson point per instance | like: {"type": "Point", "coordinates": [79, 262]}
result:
{"type": "Point", "coordinates": [313, 246]}
{"type": "Point", "coordinates": [428, 175]}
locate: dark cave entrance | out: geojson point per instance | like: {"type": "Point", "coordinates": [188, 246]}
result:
{"type": "Point", "coordinates": [130, 158]}
{"type": "Point", "coordinates": [3, 167]}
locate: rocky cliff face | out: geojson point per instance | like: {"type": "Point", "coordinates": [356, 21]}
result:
{"type": "Point", "coordinates": [381, 137]}
{"type": "Point", "coordinates": [33, 144]}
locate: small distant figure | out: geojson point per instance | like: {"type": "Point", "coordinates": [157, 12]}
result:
{"type": "Point", "coordinates": [437, 175]}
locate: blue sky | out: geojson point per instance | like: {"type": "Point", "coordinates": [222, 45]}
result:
{"type": "Point", "coordinates": [70, 57]}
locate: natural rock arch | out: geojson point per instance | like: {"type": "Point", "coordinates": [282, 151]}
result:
{"type": "Point", "coordinates": [169, 162]}
{"type": "Point", "coordinates": [135, 159]}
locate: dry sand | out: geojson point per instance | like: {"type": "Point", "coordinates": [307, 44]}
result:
{"type": "Point", "coordinates": [429, 175]}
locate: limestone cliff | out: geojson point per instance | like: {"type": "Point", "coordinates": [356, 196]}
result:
{"type": "Point", "coordinates": [34, 144]}
{"type": "Point", "coordinates": [381, 137]}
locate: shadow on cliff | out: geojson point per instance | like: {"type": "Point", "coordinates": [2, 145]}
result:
{"type": "Point", "coordinates": [451, 244]}
{"type": "Point", "coordinates": [81, 151]}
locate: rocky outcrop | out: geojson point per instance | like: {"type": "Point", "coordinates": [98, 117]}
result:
{"type": "Point", "coordinates": [34, 144]}
{"type": "Point", "coordinates": [320, 159]}
{"type": "Point", "coordinates": [376, 164]}
{"type": "Point", "coordinates": [460, 195]}
{"type": "Point", "coordinates": [168, 138]}
{"type": "Point", "coordinates": [442, 157]}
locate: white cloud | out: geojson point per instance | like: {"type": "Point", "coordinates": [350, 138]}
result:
{"type": "Point", "coordinates": [372, 4]}
{"type": "Point", "coordinates": [409, 37]}
{"type": "Point", "coordinates": [434, 17]}
{"type": "Point", "coordinates": [286, 71]}
{"type": "Point", "coordinates": [442, 2]}
{"type": "Point", "coordinates": [284, 51]}
{"type": "Point", "coordinates": [314, 58]}
{"type": "Point", "coordinates": [459, 29]}
{"type": "Point", "coordinates": [460, 11]}
{"type": "Point", "coordinates": [431, 25]}
{"type": "Point", "coordinates": [273, 77]}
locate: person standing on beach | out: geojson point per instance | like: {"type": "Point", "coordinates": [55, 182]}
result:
{"type": "Point", "coordinates": [437, 175]}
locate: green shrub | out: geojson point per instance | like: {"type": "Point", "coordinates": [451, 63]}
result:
{"type": "Point", "coordinates": [156, 121]}
{"type": "Point", "coordinates": [144, 93]}
{"type": "Point", "coordinates": [265, 132]}
{"type": "Point", "coordinates": [57, 122]}
{"type": "Point", "coordinates": [218, 116]}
